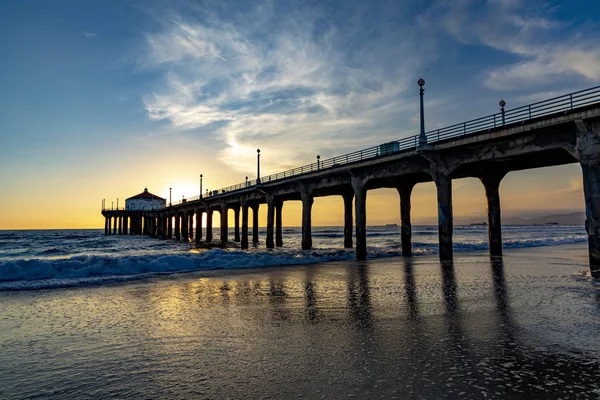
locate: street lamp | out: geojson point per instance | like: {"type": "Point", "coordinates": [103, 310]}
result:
{"type": "Point", "coordinates": [206, 192]}
{"type": "Point", "coordinates": [246, 181]}
{"type": "Point", "coordinates": [111, 204]}
{"type": "Point", "coordinates": [170, 203]}
{"type": "Point", "coordinates": [422, 137]}
{"type": "Point", "coordinates": [318, 162]}
{"type": "Point", "coordinates": [258, 166]}
{"type": "Point", "coordinates": [117, 203]}
{"type": "Point", "coordinates": [200, 185]}
{"type": "Point", "coordinates": [502, 104]}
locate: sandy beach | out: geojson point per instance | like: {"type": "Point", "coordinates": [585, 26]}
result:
{"type": "Point", "coordinates": [523, 327]}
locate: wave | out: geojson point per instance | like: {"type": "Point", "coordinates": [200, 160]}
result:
{"type": "Point", "coordinates": [24, 274]}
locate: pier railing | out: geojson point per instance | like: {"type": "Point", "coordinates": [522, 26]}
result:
{"type": "Point", "coordinates": [520, 114]}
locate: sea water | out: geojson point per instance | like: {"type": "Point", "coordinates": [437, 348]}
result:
{"type": "Point", "coordinates": [35, 259]}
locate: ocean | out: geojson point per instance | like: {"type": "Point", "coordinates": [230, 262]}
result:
{"type": "Point", "coordinates": [36, 259]}
{"type": "Point", "coordinates": [88, 316]}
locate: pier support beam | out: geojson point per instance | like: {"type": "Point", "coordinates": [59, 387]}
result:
{"type": "Point", "coordinates": [106, 225]}
{"type": "Point", "coordinates": [184, 227]}
{"type": "Point", "coordinates": [169, 226]}
{"type": "Point", "coordinates": [209, 233]}
{"type": "Point", "coordinates": [270, 221]}
{"type": "Point", "coordinates": [360, 210]}
{"type": "Point", "coordinates": [236, 225]}
{"type": "Point", "coordinates": [405, 191]}
{"type": "Point", "coordinates": [278, 224]}
{"type": "Point", "coordinates": [244, 225]}
{"type": "Point", "coordinates": [125, 224]}
{"type": "Point", "coordinates": [491, 183]}
{"type": "Point", "coordinates": [443, 183]}
{"type": "Point", "coordinates": [307, 202]}
{"type": "Point", "coordinates": [198, 226]}
{"type": "Point", "coordinates": [191, 224]}
{"type": "Point", "coordinates": [114, 225]}
{"type": "Point", "coordinates": [120, 225]}
{"type": "Point", "coordinates": [255, 224]}
{"type": "Point", "coordinates": [348, 197]}
{"type": "Point", "coordinates": [224, 223]}
{"type": "Point", "coordinates": [177, 227]}
{"type": "Point", "coordinates": [588, 149]}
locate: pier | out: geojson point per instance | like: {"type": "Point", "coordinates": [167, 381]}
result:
{"type": "Point", "coordinates": [558, 131]}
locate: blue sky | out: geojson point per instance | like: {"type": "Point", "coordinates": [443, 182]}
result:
{"type": "Point", "coordinates": [97, 96]}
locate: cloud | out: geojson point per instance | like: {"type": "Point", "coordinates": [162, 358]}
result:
{"type": "Point", "coordinates": [546, 48]}
{"type": "Point", "coordinates": [308, 86]}
{"type": "Point", "coordinates": [88, 35]}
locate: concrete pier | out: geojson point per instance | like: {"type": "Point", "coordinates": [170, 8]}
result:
{"type": "Point", "coordinates": [209, 232]}
{"type": "Point", "coordinates": [236, 226]}
{"type": "Point", "coordinates": [184, 227]}
{"type": "Point", "coordinates": [177, 227]}
{"type": "Point", "coordinates": [307, 202]}
{"type": "Point", "coordinates": [198, 226]}
{"type": "Point", "coordinates": [245, 207]}
{"type": "Point", "coordinates": [348, 226]}
{"type": "Point", "coordinates": [255, 224]}
{"type": "Point", "coordinates": [443, 184]}
{"type": "Point", "coordinates": [588, 149]}
{"type": "Point", "coordinates": [270, 222]}
{"type": "Point", "coordinates": [405, 190]}
{"type": "Point", "coordinates": [278, 224]}
{"type": "Point", "coordinates": [360, 212]}
{"type": "Point", "coordinates": [224, 223]}
{"type": "Point", "coordinates": [558, 133]}
{"type": "Point", "coordinates": [491, 183]}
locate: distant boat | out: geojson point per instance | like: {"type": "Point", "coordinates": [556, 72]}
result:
{"type": "Point", "coordinates": [551, 223]}
{"type": "Point", "coordinates": [391, 224]}
{"type": "Point", "coordinates": [479, 224]}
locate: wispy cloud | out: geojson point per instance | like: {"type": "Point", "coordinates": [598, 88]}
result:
{"type": "Point", "coordinates": [546, 48]}
{"type": "Point", "coordinates": [88, 35]}
{"type": "Point", "coordinates": [299, 90]}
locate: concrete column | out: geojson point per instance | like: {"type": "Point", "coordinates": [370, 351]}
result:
{"type": "Point", "coordinates": [177, 227]}
{"type": "Point", "coordinates": [307, 202]}
{"type": "Point", "coordinates": [588, 149]}
{"type": "Point", "coordinates": [198, 226]}
{"type": "Point", "coordinates": [114, 225]}
{"type": "Point", "coordinates": [209, 235]}
{"type": "Point", "coordinates": [191, 224]}
{"type": "Point", "coordinates": [244, 225]}
{"type": "Point", "coordinates": [236, 235]}
{"type": "Point", "coordinates": [491, 183]}
{"type": "Point", "coordinates": [278, 224]}
{"type": "Point", "coordinates": [106, 225]}
{"type": "Point", "coordinates": [360, 207]}
{"type": "Point", "coordinates": [169, 226]}
{"type": "Point", "coordinates": [348, 197]}
{"type": "Point", "coordinates": [120, 224]}
{"type": "Point", "coordinates": [255, 223]}
{"type": "Point", "coordinates": [444, 194]}
{"type": "Point", "coordinates": [224, 224]}
{"type": "Point", "coordinates": [184, 226]}
{"type": "Point", "coordinates": [405, 191]}
{"type": "Point", "coordinates": [125, 225]}
{"type": "Point", "coordinates": [160, 231]}
{"type": "Point", "coordinates": [141, 224]}
{"type": "Point", "coordinates": [270, 222]}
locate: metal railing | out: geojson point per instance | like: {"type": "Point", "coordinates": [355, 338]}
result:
{"type": "Point", "coordinates": [542, 108]}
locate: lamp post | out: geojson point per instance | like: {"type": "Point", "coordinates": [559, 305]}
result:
{"type": "Point", "coordinates": [422, 137]}
{"type": "Point", "coordinates": [206, 192]}
{"type": "Point", "coordinates": [258, 166]}
{"type": "Point", "coordinates": [200, 185]}
{"type": "Point", "coordinates": [117, 203]}
{"type": "Point", "coordinates": [318, 162]}
{"type": "Point", "coordinates": [170, 192]}
{"type": "Point", "coordinates": [246, 181]}
{"type": "Point", "coordinates": [111, 204]}
{"type": "Point", "coordinates": [502, 104]}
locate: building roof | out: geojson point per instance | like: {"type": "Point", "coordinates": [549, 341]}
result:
{"type": "Point", "coordinates": [146, 195]}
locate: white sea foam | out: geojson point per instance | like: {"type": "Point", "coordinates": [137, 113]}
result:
{"type": "Point", "coordinates": [90, 258]}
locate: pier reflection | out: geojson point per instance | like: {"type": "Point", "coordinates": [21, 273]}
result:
{"type": "Point", "coordinates": [359, 298]}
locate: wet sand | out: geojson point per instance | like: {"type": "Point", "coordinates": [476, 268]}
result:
{"type": "Point", "coordinates": [524, 327]}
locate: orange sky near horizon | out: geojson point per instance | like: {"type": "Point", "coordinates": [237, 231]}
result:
{"type": "Point", "coordinates": [76, 202]}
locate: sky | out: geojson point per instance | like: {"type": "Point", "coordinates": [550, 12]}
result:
{"type": "Point", "coordinates": [100, 99]}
